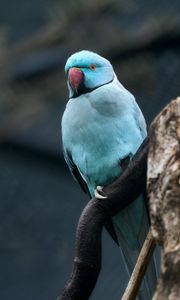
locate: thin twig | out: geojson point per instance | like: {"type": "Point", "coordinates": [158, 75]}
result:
{"type": "Point", "coordinates": [140, 268]}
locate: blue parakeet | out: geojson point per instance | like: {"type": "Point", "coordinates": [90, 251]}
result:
{"type": "Point", "coordinates": [102, 128]}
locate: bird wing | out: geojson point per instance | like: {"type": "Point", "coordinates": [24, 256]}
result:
{"type": "Point", "coordinates": [79, 178]}
{"type": "Point", "coordinates": [75, 171]}
{"type": "Point", "coordinates": [140, 121]}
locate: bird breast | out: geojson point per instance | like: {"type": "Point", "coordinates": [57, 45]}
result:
{"type": "Point", "coordinates": [98, 129]}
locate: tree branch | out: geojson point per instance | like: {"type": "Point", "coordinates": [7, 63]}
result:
{"type": "Point", "coordinates": [87, 261]}
{"type": "Point", "coordinates": [140, 268]}
{"type": "Point", "coordinates": [164, 195]}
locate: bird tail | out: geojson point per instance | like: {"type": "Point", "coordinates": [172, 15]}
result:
{"type": "Point", "coordinates": [130, 249]}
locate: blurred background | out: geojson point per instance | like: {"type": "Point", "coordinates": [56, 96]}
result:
{"type": "Point", "coordinates": [40, 204]}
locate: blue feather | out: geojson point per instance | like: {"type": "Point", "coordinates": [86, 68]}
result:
{"type": "Point", "coordinates": [100, 128]}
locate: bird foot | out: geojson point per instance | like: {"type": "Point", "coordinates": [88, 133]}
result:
{"type": "Point", "coordinates": [99, 194]}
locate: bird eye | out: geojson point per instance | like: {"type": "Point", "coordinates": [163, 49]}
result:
{"type": "Point", "coordinates": [92, 67]}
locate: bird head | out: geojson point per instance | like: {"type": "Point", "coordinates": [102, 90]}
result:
{"type": "Point", "coordinates": [87, 71]}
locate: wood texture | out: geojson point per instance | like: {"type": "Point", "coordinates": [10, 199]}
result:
{"type": "Point", "coordinates": [140, 268]}
{"type": "Point", "coordinates": [164, 195]}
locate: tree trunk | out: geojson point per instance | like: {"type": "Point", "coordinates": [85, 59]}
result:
{"type": "Point", "coordinates": [164, 194]}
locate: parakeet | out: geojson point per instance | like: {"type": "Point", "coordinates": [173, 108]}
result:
{"type": "Point", "coordinates": [102, 128]}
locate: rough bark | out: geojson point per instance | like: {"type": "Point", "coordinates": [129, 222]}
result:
{"type": "Point", "coordinates": [164, 194]}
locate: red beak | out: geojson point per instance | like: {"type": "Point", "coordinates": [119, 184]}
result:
{"type": "Point", "coordinates": [75, 78]}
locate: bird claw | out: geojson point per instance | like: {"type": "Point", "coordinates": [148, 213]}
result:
{"type": "Point", "coordinates": [99, 194]}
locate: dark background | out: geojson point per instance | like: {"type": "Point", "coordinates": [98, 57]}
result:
{"type": "Point", "coordinates": [40, 203]}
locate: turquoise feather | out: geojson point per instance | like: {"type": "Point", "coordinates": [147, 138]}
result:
{"type": "Point", "coordinates": [124, 225]}
{"type": "Point", "coordinates": [100, 128]}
